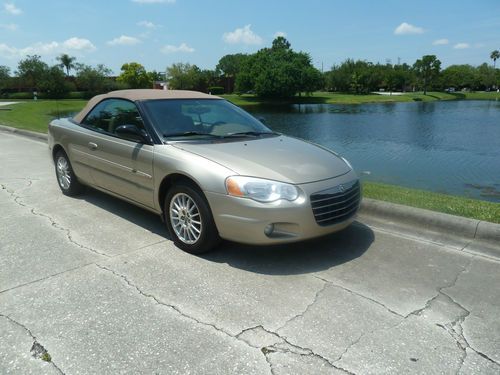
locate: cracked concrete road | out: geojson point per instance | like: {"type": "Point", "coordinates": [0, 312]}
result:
{"type": "Point", "coordinates": [92, 285]}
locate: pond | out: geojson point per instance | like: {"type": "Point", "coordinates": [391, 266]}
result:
{"type": "Point", "coordinates": [450, 147]}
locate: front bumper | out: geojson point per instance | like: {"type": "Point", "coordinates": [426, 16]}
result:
{"type": "Point", "coordinates": [244, 220]}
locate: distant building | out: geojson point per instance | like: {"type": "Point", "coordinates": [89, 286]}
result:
{"type": "Point", "coordinates": [160, 85]}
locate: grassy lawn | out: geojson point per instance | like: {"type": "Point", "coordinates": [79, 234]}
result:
{"type": "Point", "coordinates": [342, 98]}
{"type": "Point", "coordinates": [449, 204]}
{"type": "Point", "coordinates": [36, 116]}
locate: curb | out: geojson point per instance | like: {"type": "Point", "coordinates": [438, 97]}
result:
{"type": "Point", "coordinates": [460, 233]}
{"type": "Point", "coordinates": [26, 133]}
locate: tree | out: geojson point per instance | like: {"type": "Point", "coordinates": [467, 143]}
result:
{"type": "Point", "coordinates": [31, 70]}
{"type": "Point", "coordinates": [67, 62]}
{"type": "Point", "coordinates": [485, 76]}
{"type": "Point", "coordinates": [494, 56]}
{"type": "Point", "coordinates": [134, 75]}
{"type": "Point", "coordinates": [93, 80]}
{"type": "Point", "coordinates": [230, 66]}
{"type": "Point", "coordinates": [181, 76]}
{"type": "Point", "coordinates": [278, 72]}
{"type": "Point", "coordinates": [460, 76]}
{"type": "Point", "coordinates": [427, 69]}
{"type": "Point", "coordinates": [53, 82]}
{"type": "Point", "coordinates": [280, 43]}
{"type": "Point", "coordinates": [4, 76]}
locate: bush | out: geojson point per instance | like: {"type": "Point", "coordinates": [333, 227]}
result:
{"type": "Point", "coordinates": [216, 90]}
{"type": "Point", "coordinates": [78, 95]}
{"type": "Point", "coordinates": [24, 95]}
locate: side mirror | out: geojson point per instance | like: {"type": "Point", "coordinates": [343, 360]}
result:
{"type": "Point", "coordinates": [132, 133]}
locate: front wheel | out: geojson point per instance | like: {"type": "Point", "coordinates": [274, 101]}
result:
{"type": "Point", "coordinates": [66, 178]}
{"type": "Point", "coordinates": [189, 220]}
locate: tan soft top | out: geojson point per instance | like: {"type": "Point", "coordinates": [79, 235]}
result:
{"type": "Point", "coordinates": [142, 94]}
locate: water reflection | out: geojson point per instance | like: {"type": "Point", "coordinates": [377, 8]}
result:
{"type": "Point", "coordinates": [441, 146]}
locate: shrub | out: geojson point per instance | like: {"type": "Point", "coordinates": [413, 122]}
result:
{"type": "Point", "coordinates": [23, 95]}
{"type": "Point", "coordinates": [216, 90]}
{"type": "Point", "coordinates": [78, 95]}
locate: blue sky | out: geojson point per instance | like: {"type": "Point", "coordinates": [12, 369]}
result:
{"type": "Point", "coordinates": [158, 33]}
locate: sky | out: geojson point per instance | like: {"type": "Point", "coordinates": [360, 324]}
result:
{"type": "Point", "coordinates": [158, 33]}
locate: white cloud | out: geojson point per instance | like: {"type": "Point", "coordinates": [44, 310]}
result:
{"type": "Point", "coordinates": [461, 46]}
{"type": "Point", "coordinates": [39, 49]}
{"type": "Point", "coordinates": [153, 1]}
{"type": "Point", "coordinates": [9, 26]}
{"type": "Point", "coordinates": [406, 28]}
{"type": "Point", "coordinates": [7, 51]}
{"type": "Point", "coordinates": [279, 33]}
{"type": "Point", "coordinates": [53, 48]}
{"type": "Point", "coordinates": [12, 9]}
{"type": "Point", "coordinates": [440, 42]}
{"type": "Point", "coordinates": [183, 47]}
{"type": "Point", "coordinates": [243, 35]}
{"type": "Point", "coordinates": [78, 44]}
{"type": "Point", "coordinates": [148, 25]}
{"type": "Point", "coordinates": [124, 40]}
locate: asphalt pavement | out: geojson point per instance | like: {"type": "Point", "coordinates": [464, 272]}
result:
{"type": "Point", "coordinates": [92, 285]}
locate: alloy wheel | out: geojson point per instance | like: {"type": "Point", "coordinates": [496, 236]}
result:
{"type": "Point", "coordinates": [185, 218]}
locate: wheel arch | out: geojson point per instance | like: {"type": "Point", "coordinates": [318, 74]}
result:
{"type": "Point", "coordinates": [55, 149]}
{"type": "Point", "coordinates": [171, 180]}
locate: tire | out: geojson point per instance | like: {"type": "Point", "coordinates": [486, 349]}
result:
{"type": "Point", "coordinates": [66, 178]}
{"type": "Point", "coordinates": [189, 220]}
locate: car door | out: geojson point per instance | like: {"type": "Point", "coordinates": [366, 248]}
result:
{"type": "Point", "coordinates": [119, 165]}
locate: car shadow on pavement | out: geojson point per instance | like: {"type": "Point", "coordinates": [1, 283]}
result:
{"type": "Point", "coordinates": [136, 215]}
{"type": "Point", "coordinates": [297, 258]}
{"type": "Point", "coordinates": [287, 259]}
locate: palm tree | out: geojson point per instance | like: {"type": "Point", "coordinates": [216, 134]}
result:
{"type": "Point", "coordinates": [66, 62]}
{"type": "Point", "coordinates": [494, 56]}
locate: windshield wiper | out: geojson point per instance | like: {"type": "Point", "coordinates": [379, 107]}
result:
{"type": "Point", "coordinates": [250, 134]}
{"type": "Point", "coordinates": [189, 134]}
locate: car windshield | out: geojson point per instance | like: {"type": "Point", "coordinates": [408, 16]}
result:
{"type": "Point", "coordinates": [181, 119]}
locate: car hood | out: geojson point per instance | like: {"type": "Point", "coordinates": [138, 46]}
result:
{"type": "Point", "coordinates": [280, 158]}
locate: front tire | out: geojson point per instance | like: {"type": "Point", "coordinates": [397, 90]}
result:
{"type": "Point", "coordinates": [66, 178]}
{"type": "Point", "coordinates": [189, 220]}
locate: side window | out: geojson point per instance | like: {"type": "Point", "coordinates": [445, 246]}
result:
{"type": "Point", "coordinates": [111, 113]}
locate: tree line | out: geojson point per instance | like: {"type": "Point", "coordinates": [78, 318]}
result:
{"type": "Point", "coordinates": [274, 72]}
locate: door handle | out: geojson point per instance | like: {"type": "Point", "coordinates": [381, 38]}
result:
{"type": "Point", "coordinates": [92, 145]}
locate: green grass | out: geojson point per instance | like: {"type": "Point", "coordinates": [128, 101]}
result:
{"type": "Point", "coordinates": [344, 98]}
{"type": "Point", "coordinates": [36, 115]}
{"type": "Point", "coordinates": [450, 204]}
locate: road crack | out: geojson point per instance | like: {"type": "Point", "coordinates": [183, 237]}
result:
{"type": "Point", "coordinates": [282, 345]}
{"type": "Point", "coordinates": [315, 299]}
{"type": "Point", "coordinates": [360, 295]}
{"type": "Point", "coordinates": [159, 302]}
{"type": "Point", "coordinates": [18, 199]}
{"type": "Point", "coordinates": [37, 350]}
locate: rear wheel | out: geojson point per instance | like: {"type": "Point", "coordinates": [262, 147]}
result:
{"type": "Point", "coordinates": [66, 178]}
{"type": "Point", "coordinates": [189, 220]}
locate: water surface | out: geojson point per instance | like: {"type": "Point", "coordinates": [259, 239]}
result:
{"type": "Point", "coordinates": [451, 147]}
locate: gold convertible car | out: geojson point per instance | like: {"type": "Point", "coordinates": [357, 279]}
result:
{"type": "Point", "coordinates": [210, 169]}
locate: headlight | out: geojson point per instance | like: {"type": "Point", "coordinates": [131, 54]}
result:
{"type": "Point", "coordinates": [259, 189]}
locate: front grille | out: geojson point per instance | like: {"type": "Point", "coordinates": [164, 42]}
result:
{"type": "Point", "coordinates": [336, 204]}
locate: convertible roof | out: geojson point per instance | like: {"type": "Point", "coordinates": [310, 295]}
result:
{"type": "Point", "coordinates": [142, 94]}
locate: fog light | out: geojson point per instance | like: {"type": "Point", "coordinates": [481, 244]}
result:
{"type": "Point", "coordinates": [268, 230]}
